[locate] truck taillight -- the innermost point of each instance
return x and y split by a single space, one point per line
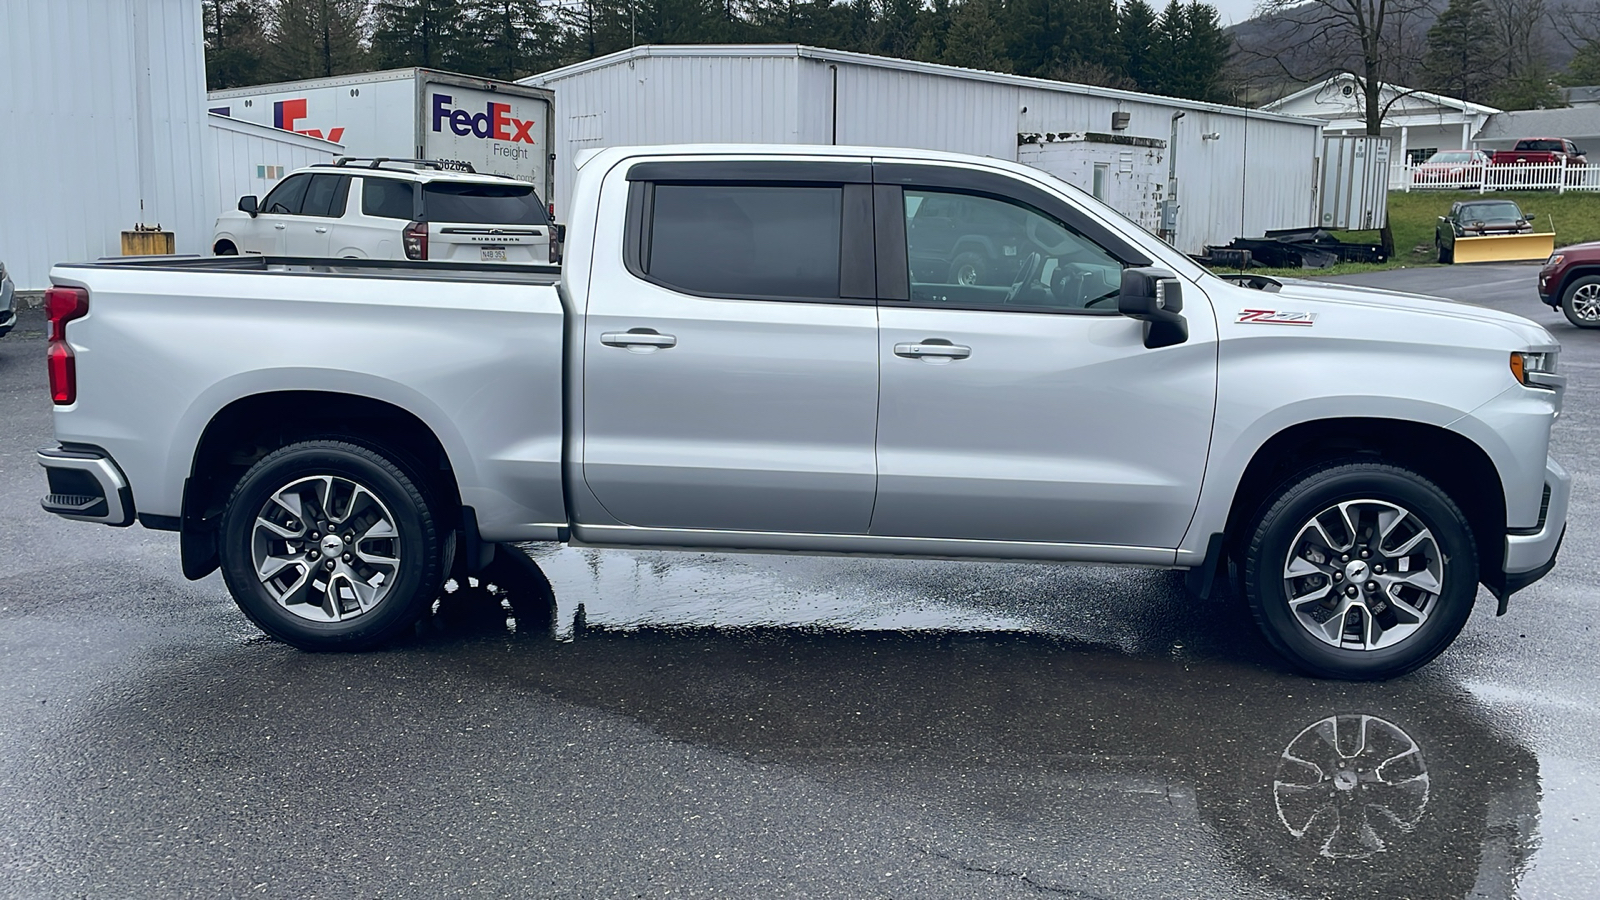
415 238
62 305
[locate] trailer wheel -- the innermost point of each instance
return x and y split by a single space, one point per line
328 545
1581 302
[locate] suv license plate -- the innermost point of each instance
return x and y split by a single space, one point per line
493 254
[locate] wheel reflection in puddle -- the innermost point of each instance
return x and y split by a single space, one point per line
1350 784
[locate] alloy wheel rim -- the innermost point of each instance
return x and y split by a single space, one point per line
1363 575
325 548
1586 302
1347 782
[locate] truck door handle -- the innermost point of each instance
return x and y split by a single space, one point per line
638 337
322 229
932 347
280 226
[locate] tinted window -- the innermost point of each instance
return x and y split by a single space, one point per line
1539 145
286 197
1490 212
387 198
970 250
483 204
325 196
746 240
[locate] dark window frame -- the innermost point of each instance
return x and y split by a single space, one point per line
857 250
266 202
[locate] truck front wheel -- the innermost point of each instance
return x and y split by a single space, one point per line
1360 571
328 545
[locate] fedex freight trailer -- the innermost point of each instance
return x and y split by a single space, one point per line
496 126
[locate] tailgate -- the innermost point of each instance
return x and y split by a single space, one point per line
451 242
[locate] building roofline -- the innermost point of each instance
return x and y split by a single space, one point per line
802 51
1442 100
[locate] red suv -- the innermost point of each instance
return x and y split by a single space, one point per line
1570 281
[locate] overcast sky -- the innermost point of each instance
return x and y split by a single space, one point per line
1232 11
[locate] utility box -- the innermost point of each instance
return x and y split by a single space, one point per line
148 240
1355 183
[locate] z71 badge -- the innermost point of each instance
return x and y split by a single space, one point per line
1275 317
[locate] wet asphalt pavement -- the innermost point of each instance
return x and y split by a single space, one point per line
746 726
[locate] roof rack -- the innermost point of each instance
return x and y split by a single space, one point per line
374 162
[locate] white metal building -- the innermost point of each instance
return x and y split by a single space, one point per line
1239 171
103 105
252 159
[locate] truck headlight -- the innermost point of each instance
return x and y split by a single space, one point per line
1535 368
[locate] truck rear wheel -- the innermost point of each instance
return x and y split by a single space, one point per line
1581 301
328 545
1360 571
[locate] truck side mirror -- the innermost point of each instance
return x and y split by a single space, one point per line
248 204
1154 297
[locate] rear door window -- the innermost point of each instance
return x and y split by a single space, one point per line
286 198
326 196
387 198
482 204
746 240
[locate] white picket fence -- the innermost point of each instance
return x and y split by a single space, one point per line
1559 178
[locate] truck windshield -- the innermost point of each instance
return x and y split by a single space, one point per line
482 204
1491 212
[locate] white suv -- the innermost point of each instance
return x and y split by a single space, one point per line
392 209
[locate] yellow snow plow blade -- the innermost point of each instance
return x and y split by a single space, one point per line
1504 247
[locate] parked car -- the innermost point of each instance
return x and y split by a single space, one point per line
1452 168
1540 152
392 209
1478 218
738 355
8 301
1570 282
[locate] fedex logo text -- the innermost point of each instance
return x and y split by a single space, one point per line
285 113
494 123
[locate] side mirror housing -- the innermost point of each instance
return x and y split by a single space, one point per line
1154 297
249 204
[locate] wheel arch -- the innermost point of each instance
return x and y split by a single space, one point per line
1460 468
1572 275
252 426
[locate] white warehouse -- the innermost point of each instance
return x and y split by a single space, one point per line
1238 171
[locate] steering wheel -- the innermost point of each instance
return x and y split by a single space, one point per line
1027 274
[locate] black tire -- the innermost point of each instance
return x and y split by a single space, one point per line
1589 284
969 267
1445 256
1276 527
419 545
511 579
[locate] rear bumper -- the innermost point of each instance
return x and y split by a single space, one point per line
1532 553
86 485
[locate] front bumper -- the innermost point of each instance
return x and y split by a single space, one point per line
86 485
1530 554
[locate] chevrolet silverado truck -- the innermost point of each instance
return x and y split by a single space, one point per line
739 355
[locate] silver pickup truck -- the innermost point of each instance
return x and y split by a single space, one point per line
820 350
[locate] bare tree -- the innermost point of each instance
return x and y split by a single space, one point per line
1377 42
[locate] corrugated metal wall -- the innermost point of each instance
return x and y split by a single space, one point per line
103 105
666 100
252 159
776 94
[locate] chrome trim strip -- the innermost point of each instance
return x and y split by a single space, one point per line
104 471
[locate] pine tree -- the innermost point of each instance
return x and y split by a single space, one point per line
1458 61
510 39
1585 66
1205 56
430 33
236 45
1136 27
975 40
934 31
316 38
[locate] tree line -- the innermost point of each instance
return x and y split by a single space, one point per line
1179 50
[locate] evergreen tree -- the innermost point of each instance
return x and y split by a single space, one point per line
934 31
1533 88
236 45
1585 66
1136 27
315 39
510 39
431 33
975 40
897 28
1458 61
1205 56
